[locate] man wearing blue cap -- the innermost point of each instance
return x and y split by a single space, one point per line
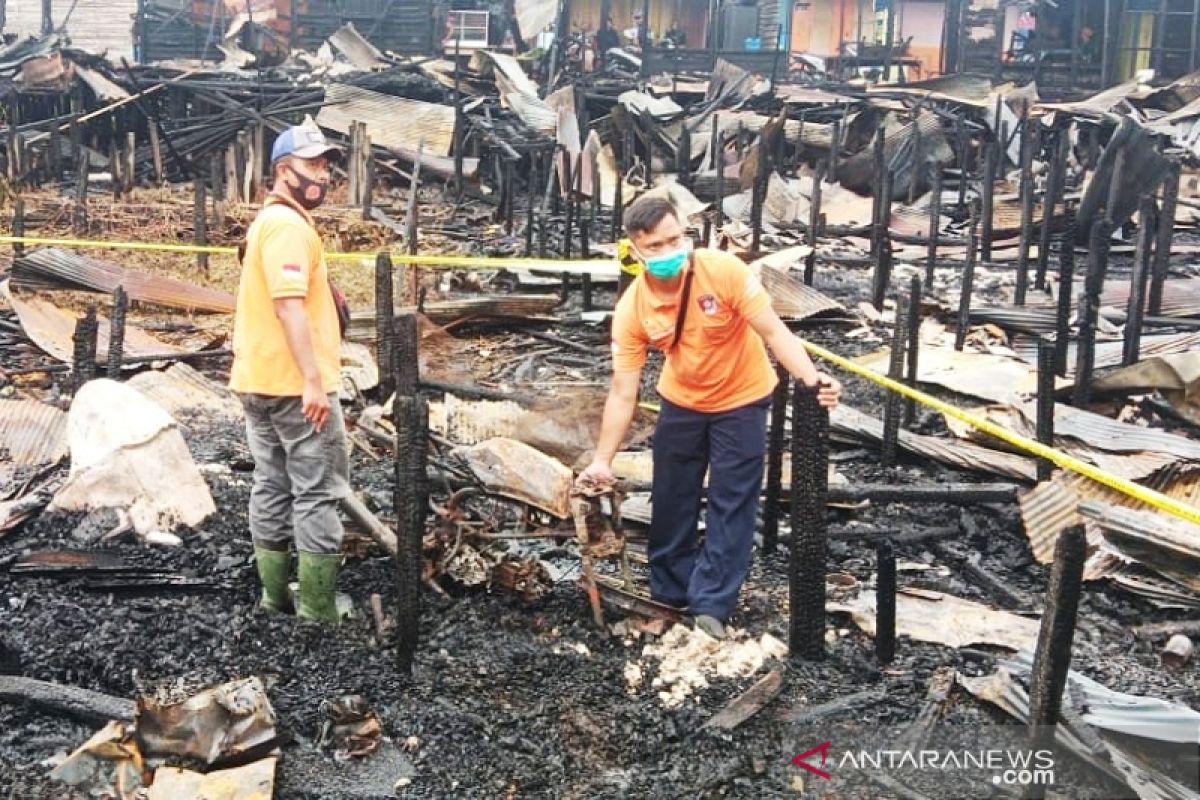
286 369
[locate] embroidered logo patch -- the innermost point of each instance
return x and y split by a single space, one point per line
708 304
294 269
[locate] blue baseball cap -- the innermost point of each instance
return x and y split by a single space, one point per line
302 141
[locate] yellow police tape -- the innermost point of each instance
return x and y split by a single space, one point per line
1148 496
462 262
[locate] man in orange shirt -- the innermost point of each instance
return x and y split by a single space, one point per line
286 369
708 312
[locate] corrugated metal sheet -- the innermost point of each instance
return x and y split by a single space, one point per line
517 91
181 389
791 299
32 435
392 122
1181 296
1109 354
1128 451
1168 545
1053 506
94 25
973 90
857 426
362 54
53 329
70 270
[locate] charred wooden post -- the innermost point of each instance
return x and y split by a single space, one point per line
576 200
385 305
1052 658
935 220
54 149
1136 309
879 155
80 221
459 142
216 171
412 231
18 226
835 146
1098 245
913 340
116 332
810 265
1066 287
200 225
411 417
758 198
885 601
960 133
587 288
506 204
1047 358
619 208
114 171
968 285
1166 232
1027 198
771 506
1055 188
368 191
806 567
881 244
594 207
83 360
814 208
683 156
991 159
565 291
568 182
719 205
892 406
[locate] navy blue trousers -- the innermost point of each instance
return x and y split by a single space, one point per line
730 445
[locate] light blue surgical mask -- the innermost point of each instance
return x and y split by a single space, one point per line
668 265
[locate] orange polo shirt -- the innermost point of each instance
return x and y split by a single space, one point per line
284 258
720 362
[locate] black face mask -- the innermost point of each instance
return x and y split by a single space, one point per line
308 193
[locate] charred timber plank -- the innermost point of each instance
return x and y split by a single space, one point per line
84 705
748 703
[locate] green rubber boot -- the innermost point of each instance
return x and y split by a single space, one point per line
273 573
317 595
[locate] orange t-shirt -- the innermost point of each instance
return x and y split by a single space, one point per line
720 362
284 258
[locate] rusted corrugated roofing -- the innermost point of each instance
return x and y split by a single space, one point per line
1053 506
53 329
54 268
790 297
392 122
32 435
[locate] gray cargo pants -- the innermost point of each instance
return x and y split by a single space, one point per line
299 475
